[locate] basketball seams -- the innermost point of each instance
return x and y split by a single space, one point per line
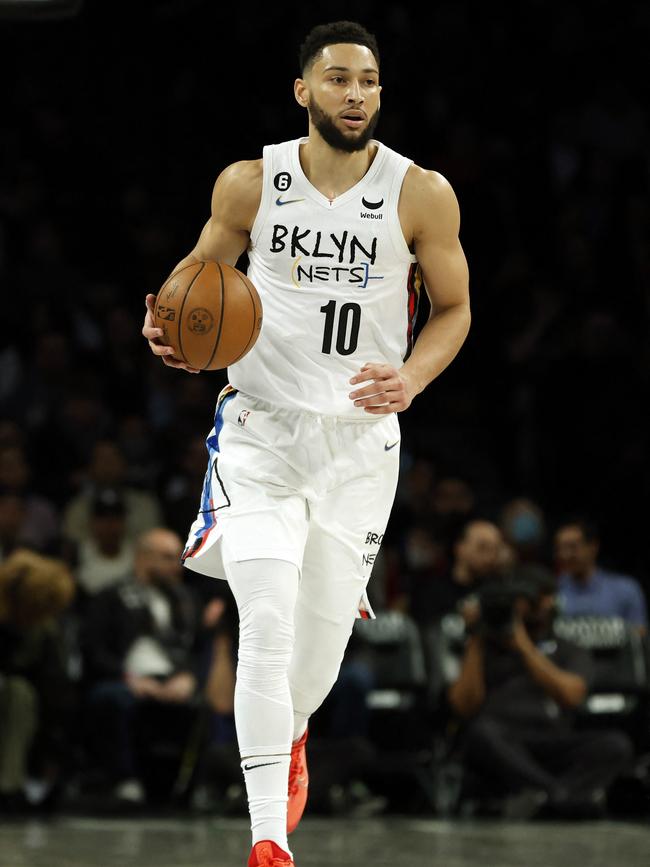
245 282
185 334
180 312
223 304
175 273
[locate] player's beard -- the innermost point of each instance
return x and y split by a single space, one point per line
333 136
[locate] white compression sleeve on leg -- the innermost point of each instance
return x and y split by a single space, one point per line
265 592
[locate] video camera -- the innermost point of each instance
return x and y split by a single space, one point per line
497 597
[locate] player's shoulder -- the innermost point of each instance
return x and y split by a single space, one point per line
428 203
427 186
238 190
241 176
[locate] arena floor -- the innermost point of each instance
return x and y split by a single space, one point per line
82 842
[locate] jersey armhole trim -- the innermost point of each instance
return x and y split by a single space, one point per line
400 246
262 211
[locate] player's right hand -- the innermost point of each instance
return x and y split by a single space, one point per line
153 334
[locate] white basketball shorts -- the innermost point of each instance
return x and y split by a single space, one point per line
314 490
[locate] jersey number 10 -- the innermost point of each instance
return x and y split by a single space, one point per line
346 342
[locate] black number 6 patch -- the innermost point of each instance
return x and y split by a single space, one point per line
282 181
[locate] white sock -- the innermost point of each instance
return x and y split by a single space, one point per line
265 776
265 592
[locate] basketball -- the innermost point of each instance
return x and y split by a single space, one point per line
210 313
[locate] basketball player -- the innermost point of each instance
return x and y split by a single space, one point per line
341 232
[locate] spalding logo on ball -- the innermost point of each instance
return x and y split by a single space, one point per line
210 313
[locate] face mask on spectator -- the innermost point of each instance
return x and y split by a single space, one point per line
525 528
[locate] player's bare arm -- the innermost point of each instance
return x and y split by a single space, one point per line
225 236
430 217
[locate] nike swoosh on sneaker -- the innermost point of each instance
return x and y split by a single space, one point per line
279 201
264 765
387 448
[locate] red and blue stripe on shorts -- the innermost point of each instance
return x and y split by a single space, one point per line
207 511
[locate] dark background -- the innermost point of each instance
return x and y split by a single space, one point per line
116 123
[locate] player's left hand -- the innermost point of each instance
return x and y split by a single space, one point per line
389 391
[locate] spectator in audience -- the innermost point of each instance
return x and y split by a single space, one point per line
40 525
478 552
108 469
35 697
140 661
106 554
524 529
518 691
220 679
585 588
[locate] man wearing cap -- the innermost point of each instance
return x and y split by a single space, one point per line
106 554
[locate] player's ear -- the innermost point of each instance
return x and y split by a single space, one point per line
301 92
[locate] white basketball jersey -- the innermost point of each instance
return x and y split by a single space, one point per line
338 284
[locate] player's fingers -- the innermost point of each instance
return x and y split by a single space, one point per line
393 404
159 349
373 371
150 302
367 391
364 376
174 362
374 400
378 387
151 332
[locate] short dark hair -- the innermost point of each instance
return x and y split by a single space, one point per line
332 34
586 526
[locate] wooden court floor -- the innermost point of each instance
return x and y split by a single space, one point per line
389 842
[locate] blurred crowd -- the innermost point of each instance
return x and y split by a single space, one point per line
514 571
507 670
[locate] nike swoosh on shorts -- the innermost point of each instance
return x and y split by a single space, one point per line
387 448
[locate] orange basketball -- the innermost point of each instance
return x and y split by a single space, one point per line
210 313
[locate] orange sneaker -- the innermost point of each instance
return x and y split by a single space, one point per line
298 783
268 854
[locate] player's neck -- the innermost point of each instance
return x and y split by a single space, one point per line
331 171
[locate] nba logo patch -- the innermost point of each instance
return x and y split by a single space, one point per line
243 415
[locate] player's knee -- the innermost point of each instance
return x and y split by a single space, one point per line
264 619
265 648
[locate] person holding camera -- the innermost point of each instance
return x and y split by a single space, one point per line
518 691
